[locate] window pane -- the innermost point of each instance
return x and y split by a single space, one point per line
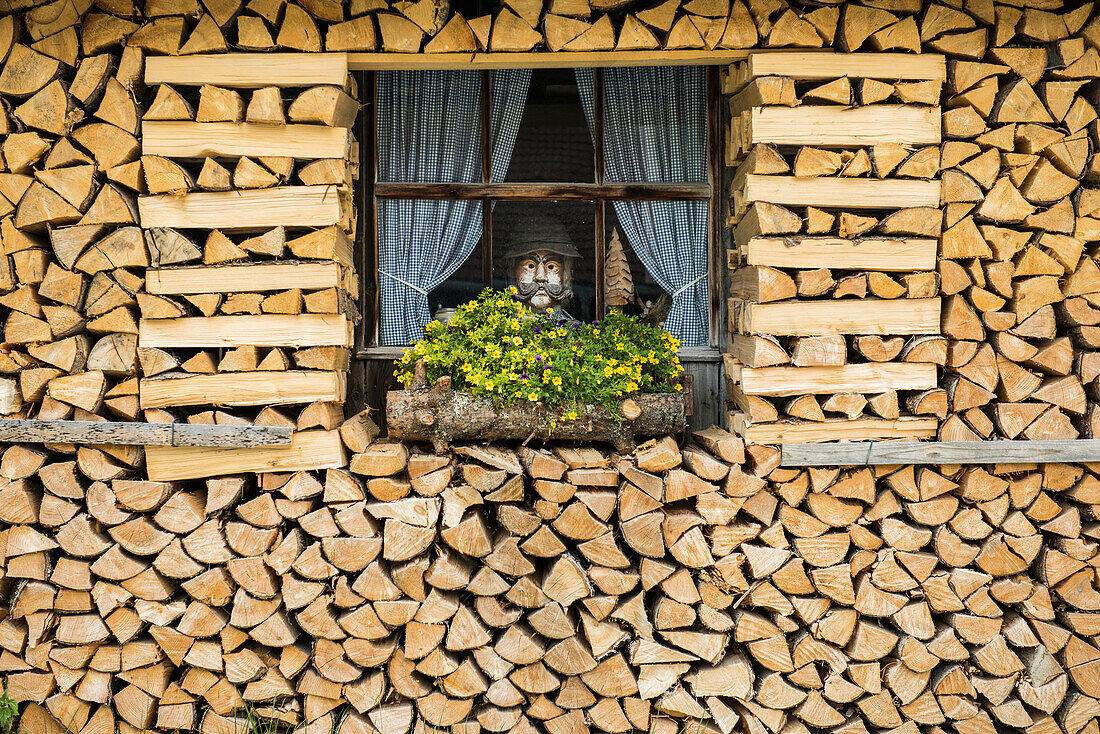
429 126
665 243
654 124
551 245
554 143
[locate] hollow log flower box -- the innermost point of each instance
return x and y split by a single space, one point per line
498 371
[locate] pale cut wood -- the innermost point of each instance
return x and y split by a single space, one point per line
872 253
943 452
258 276
841 430
869 377
815 318
269 330
828 125
244 388
289 206
308 450
543 60
250 71
826 66
231 139
140 434
840 192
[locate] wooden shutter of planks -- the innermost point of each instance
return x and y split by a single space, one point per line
260 170
835 308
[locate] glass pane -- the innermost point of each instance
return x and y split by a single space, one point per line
628 285
664 244
547 249
429 126
553 143
654 124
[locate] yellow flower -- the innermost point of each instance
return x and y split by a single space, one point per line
571 415
557 381
549 310
533 397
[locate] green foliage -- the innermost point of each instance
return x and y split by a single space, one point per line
497 347
9 712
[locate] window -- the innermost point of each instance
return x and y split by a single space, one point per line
465 170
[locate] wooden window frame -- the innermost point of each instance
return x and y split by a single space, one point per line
599 193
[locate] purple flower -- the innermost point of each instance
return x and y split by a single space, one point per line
538 357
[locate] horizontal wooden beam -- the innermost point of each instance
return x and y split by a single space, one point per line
811 65
941 452
850 193
141 434
258 277
834 430
249 209
902 316
268 330
249 70
868 253
542 60
233 139
244 388
638 191
827 125
308 450
865 377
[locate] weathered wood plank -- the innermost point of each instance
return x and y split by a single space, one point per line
288 206
858 193
942 452
244 388
816 318
827 125
307 450
869 253
254 277
269 330
865 377
141 434
249 70
207 139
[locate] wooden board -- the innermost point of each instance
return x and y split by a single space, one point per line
943 452
269 330
828 65
865 377
827 125
245 388
288 206
543 60
210 139
834 430
258 276
815 318
871 253
140 434
249 70
307 450
850 193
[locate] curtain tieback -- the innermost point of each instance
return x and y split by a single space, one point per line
683 288
403 282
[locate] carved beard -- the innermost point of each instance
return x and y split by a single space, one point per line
557 293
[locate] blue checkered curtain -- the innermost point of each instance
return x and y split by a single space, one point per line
655 130
429 125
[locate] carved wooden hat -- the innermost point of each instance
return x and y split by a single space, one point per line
540 233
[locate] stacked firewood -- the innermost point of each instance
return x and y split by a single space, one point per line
545 590
1019 272
834 310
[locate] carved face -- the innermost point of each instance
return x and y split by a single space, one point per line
542 279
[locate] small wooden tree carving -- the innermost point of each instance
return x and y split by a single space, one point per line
618 282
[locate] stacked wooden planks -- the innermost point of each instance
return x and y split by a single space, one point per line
834 299
247 177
